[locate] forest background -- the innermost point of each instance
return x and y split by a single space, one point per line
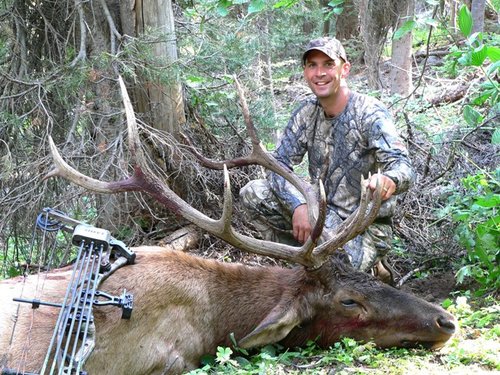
434 63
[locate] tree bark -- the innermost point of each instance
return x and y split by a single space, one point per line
162 101
347 26
401 71
453 15
374 25
477 9
104 127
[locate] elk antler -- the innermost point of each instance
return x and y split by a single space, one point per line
143 179
259 156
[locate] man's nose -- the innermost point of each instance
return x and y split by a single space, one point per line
320 72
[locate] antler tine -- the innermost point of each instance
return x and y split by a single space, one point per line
63 169
302 255
356 223
306 252
227 209
259 156
134 142
143 179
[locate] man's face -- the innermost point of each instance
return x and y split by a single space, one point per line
324 75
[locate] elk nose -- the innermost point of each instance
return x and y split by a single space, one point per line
446 324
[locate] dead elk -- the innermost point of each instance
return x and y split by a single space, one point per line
187 306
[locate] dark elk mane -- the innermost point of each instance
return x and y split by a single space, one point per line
339 268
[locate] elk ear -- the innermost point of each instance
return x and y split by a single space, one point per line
275 326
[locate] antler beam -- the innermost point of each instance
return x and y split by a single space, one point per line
144 180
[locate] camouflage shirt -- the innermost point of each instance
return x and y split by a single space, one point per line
340 150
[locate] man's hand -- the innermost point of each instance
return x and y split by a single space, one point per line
300 219
388 185
300 224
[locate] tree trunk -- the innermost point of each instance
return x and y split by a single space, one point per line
477 9
374 25
347 26
401 72
162 101
453 15
326 20
105 129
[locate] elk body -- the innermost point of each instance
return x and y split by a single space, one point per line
187 306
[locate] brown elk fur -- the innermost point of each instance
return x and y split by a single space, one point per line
185 306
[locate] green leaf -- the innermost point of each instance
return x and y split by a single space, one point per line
479 55
471 116
407 27
285 4
490 200
465 59
493 68
446 303
194 81
493 53
480 252
465 20
462 274
335 3
495 138
223 354
460 216
223 7
481 99
338 10
475 40
256 6
243 361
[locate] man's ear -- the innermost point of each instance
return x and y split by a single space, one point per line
346 68
275 326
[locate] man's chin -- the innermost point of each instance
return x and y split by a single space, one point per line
323 94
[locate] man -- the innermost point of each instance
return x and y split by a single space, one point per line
346 135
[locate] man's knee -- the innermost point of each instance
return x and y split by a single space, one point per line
253 193
377 242
369 247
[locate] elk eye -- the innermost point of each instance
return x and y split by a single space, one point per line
349 303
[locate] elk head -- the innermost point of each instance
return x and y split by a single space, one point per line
325 297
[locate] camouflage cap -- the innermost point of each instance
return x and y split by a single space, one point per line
329 46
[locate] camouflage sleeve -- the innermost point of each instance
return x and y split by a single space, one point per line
290 152
391 153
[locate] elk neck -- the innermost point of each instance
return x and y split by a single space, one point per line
217 291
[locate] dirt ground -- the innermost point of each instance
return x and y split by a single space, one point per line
435 287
